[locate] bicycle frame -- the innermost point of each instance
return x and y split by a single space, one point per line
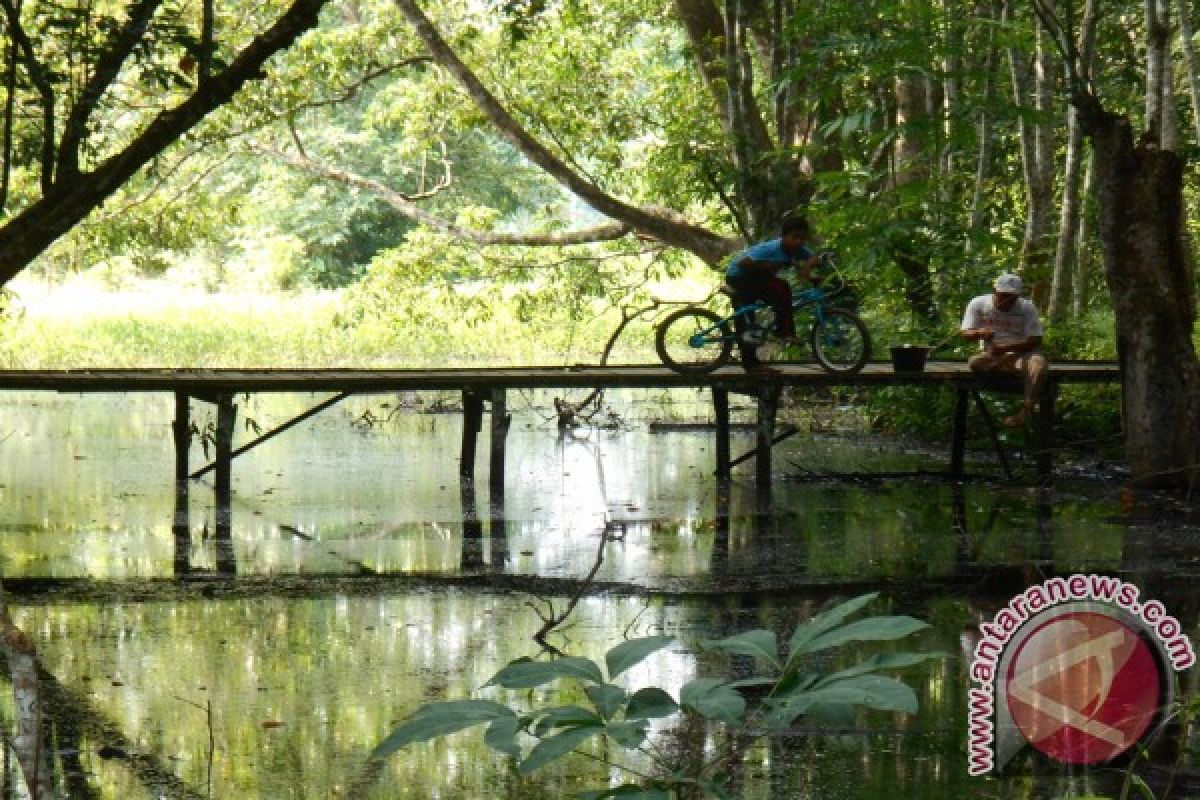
816 297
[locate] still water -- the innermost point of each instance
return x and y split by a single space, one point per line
360 580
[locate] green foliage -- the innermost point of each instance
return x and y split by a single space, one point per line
795 689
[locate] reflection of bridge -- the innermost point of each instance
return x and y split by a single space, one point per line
480 386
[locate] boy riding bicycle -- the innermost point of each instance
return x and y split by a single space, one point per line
753 276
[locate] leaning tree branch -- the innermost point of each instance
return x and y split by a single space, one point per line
667 226
405 205
29 233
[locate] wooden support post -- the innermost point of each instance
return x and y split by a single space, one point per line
226 420
500 423
768 405
1044 434
181 429
472 422
721 413
958 445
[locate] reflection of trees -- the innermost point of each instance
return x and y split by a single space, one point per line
28 742
47 711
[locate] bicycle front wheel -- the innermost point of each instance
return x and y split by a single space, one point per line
693 341
840 341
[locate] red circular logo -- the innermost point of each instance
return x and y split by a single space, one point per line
1083 687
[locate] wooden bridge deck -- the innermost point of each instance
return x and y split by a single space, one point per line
489 385
211 381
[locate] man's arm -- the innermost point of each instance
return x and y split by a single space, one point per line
972 329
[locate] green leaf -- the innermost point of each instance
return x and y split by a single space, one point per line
713 699
557 746
877 692
607 698
501 736
563 717
882 661
628 734
871 629
627 791
527 674
633 652
757 643
440 719
650 703
824 621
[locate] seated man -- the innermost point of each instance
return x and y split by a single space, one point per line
754 276
1010 335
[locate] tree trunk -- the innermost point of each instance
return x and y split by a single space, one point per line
983 161
1139 191
1083 251
1065 253
1189 60
911 163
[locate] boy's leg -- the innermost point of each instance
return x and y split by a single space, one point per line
749 352
778 293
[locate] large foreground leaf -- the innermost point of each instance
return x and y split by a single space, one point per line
633 652
713 699
527 674
557 746
871 629
440 719
757 644
825 621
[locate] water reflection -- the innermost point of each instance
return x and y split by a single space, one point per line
336 668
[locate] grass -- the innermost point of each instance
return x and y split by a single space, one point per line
83 324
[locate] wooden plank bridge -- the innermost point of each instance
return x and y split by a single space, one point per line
484 387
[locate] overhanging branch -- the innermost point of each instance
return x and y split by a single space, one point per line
668 227
405 205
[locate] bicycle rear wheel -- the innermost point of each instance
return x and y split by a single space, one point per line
840 341
693 341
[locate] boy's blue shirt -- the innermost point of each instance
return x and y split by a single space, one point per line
770 251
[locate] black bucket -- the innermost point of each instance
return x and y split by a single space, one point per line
909 357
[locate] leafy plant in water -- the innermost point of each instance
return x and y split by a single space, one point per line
789 689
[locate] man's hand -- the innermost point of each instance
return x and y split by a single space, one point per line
978 334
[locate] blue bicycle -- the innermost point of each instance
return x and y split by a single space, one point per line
696 340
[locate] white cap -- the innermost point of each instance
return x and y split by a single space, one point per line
1008 284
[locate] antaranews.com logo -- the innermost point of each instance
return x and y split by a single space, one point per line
1078 667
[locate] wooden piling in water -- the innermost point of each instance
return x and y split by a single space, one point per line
472 423
958 444
721 415
226 420
223 489
181 430
768 406
1044 433
500 423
